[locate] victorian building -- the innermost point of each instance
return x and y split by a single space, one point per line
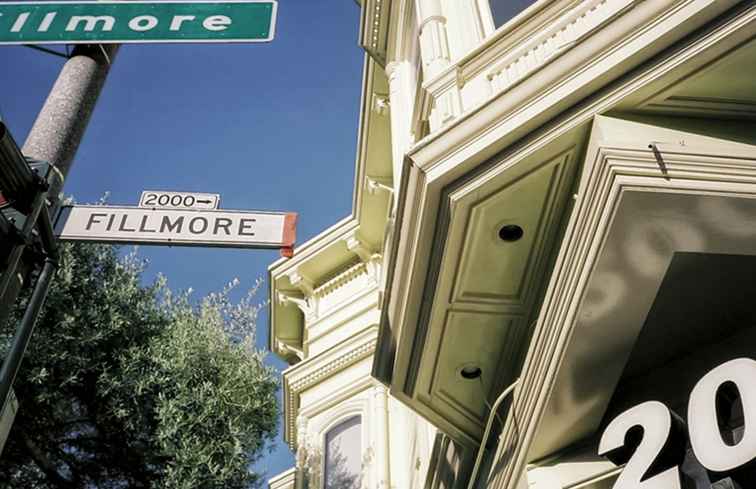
552 244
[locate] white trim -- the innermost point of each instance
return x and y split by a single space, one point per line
315 370
486 17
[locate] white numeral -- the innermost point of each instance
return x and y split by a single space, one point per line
656 421
705 436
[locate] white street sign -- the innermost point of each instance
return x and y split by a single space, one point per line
153 199
235 229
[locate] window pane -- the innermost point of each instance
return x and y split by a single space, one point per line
343 464
503 10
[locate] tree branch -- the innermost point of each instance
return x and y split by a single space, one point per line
45 464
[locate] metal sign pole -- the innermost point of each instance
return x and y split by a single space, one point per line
12 362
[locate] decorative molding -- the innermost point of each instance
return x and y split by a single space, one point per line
313 464
393 75
288 350
301 281
380 392
434 45
374 184
565 33
359 247
332 367
369 457
325 255
341 280
503 65
314 304
285 298
301 453
317 370
284 480
381 104
710 106
403 31
374 28
445 98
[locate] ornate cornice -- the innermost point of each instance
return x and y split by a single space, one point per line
374 27
327 370
311 372
340 280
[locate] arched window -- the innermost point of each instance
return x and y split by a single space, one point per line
343 455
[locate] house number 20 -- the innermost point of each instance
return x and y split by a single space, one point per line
659 447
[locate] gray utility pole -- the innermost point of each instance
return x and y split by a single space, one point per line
54 138
60 125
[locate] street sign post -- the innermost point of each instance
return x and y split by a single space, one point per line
219 228
126 21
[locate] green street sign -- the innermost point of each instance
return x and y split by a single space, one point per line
103 22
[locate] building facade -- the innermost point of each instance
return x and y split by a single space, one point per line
546 280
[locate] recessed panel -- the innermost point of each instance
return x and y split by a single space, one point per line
468 365
504 237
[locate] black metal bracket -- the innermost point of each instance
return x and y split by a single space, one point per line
659 160
48 51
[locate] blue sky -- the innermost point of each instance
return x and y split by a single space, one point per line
267 126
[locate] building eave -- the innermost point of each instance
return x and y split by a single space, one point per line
329 252
281 273
374 28
561 96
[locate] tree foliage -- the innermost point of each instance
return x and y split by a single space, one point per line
130 386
